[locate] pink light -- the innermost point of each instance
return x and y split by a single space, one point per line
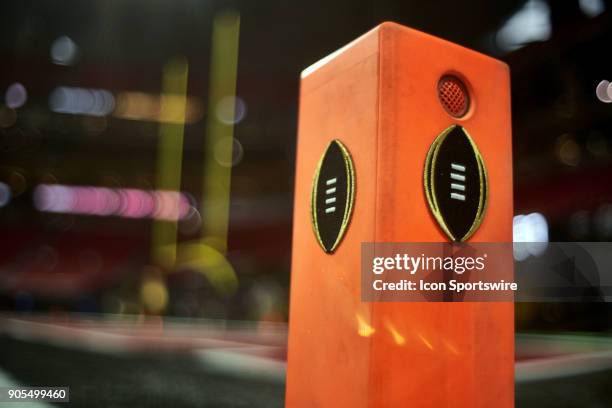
136 203
102 201
109 200
84 200
171 205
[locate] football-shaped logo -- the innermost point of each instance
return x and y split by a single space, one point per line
456 183
333 193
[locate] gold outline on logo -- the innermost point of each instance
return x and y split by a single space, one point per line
430 188
350 195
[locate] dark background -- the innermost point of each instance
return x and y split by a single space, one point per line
561 131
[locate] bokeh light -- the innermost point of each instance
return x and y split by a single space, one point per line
530 23
18 182
602 91
592 8
231 110
530 235
5 194
102 201
147 107
568 150
16 96
64 51
154 295
81 101
236 155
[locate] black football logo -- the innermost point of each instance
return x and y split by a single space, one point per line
456 183
333 193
